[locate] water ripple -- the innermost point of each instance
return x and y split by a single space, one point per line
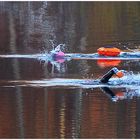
130 80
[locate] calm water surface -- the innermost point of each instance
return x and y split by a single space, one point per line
67 111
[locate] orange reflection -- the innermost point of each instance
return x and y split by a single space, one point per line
120 95
108 63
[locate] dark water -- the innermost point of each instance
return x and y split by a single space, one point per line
67 111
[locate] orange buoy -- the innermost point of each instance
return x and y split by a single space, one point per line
108 63
109 51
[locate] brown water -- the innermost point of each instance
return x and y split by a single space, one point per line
66 111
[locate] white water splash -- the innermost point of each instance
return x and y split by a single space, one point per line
129 79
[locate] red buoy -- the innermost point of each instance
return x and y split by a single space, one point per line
109 51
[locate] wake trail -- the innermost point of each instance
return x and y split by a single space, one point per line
129 81
69 56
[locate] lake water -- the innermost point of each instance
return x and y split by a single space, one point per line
33 107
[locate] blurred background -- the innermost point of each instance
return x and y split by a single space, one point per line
66 112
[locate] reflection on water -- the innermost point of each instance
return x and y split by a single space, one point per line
67 110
